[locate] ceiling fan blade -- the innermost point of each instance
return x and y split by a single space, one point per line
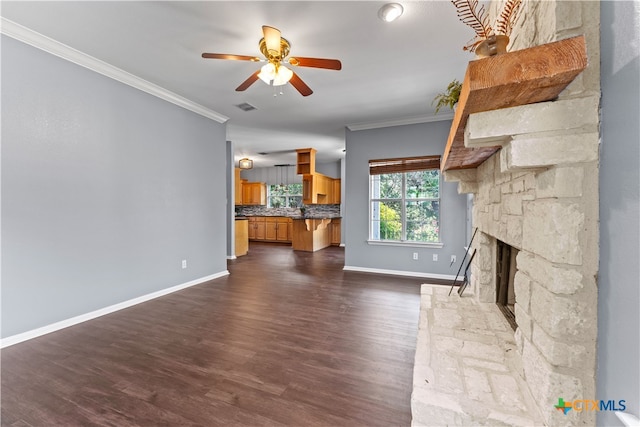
300 85
232 57
271 38
251 80
328 64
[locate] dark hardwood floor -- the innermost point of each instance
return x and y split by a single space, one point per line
288 338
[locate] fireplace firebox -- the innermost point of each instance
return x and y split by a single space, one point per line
505 275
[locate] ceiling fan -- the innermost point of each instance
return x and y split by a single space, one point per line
275 49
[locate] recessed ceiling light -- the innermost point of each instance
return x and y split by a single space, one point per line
390 12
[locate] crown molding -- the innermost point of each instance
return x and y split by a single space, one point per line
37 40
400 122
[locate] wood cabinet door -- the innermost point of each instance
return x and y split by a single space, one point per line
282 230
246 194
270 230
307 190
254 193
260 230
252 228
335 232
336 191
237 188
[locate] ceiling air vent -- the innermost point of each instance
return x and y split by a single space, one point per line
245 106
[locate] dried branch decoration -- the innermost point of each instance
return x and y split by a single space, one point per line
508 17
475 16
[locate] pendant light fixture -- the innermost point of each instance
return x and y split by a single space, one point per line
245 163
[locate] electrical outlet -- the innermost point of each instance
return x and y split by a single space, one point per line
184 263
435 257
415 255
453 259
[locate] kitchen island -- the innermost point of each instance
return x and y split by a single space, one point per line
309 231
311 234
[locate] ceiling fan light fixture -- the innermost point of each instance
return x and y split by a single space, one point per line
390 12
269 75
245 163
283 76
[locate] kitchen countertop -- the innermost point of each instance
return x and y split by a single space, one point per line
332 216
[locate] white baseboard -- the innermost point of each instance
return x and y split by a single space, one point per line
34 333
399 273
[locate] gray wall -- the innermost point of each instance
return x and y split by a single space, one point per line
619 298
105 189
331 169
399 141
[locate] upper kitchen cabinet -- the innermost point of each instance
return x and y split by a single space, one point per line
254 193
237 194
306 161
316 187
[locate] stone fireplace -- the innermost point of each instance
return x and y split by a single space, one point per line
539 195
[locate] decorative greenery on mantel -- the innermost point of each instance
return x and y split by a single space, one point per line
450 97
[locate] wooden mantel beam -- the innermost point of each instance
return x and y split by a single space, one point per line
522 77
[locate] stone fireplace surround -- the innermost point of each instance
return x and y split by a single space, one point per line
539 194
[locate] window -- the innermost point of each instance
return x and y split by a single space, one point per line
405 200
285 196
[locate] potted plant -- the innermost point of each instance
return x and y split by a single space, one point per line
449 97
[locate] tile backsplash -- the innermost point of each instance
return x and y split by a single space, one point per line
311 210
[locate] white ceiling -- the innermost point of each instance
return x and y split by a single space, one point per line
390 71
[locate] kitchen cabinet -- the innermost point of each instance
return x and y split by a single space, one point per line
242 236
254 193
270 229
316 187
336 232
256 228
320 189
335 193
282 229
237 186
308 197
306 161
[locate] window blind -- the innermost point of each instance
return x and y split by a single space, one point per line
403 164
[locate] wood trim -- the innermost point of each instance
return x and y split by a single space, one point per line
511 79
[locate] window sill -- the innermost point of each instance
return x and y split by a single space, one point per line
405 244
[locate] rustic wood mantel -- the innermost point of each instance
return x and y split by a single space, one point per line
522 77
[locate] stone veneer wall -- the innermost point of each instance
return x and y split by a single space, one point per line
539 193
